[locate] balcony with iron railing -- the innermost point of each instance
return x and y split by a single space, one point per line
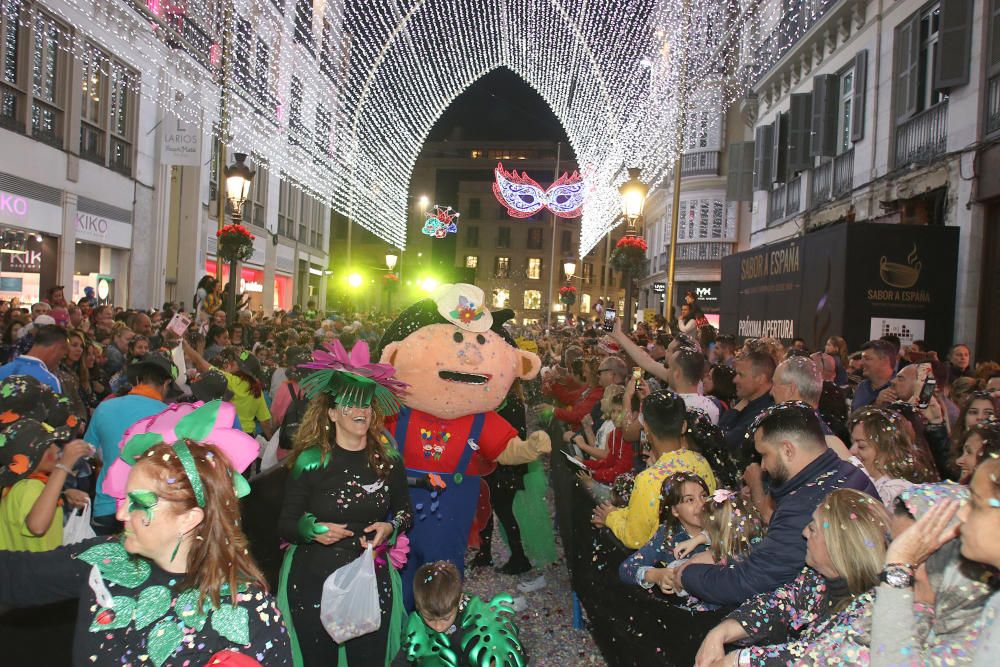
784 200
923 137
993 104
702 163
843 173
822 183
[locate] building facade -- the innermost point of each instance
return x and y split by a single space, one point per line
91 190
882 112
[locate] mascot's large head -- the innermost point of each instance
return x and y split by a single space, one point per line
454 354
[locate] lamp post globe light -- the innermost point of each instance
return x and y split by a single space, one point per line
633 195
569 268
238 179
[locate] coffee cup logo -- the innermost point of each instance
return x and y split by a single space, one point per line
898 275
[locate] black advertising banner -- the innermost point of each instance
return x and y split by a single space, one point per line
29 261
708 294
761 291
857 280
902 281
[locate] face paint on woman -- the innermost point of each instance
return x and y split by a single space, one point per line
142 500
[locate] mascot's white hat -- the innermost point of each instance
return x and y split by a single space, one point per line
464 306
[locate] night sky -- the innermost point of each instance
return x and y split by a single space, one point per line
499 106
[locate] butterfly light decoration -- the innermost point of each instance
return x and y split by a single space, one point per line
441 221
523 196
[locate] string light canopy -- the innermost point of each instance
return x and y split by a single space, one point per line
339 96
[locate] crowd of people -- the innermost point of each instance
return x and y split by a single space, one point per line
840 505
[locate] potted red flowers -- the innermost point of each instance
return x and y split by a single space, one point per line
567 295
629 256
235 243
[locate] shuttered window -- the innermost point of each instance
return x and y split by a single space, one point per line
860 91
739 179
762 153
955 41
824 115
799 131
779 159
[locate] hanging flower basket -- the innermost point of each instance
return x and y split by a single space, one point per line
235 243
629 256
567 295
390 281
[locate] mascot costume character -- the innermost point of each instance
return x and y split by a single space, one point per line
459 365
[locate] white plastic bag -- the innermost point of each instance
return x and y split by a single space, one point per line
78 528
350 607
269 452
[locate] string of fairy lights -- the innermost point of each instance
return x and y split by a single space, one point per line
339 96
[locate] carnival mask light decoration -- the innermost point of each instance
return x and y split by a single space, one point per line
524 197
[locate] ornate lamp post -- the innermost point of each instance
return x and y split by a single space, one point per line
390 263
633 194
238 179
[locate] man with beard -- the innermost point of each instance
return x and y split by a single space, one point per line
802 471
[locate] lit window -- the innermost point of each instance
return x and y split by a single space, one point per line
584 303
476 155
501 297
532 299
534 269
501 268
471 261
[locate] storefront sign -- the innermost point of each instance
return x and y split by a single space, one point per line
103 231
857 280
29 213
707 294
251 286
181 143
659 288
29 261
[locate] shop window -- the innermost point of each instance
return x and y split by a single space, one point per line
47 65
501 267
534 268
584 303
12 89
532 299
472 261
501 297
535 238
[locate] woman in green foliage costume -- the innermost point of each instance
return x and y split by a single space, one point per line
347 488
179 585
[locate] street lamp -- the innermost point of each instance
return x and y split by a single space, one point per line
390 263
238 179
424 201
569 268
633 193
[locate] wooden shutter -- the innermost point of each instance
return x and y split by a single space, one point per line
739 176
799 131
993 63
859 95
954 44
823 140
779 160
907 70
762 153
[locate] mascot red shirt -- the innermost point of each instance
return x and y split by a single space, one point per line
459 369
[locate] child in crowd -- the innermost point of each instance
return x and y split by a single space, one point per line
731 527
608 453
31 518
448 621
684 495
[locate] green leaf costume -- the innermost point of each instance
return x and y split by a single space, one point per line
488 636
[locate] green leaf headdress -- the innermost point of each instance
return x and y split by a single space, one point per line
352 380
